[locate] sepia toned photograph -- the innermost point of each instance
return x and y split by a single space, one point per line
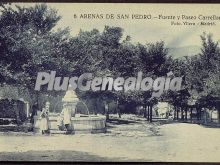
113 82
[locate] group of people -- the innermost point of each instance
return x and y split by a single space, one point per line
63 121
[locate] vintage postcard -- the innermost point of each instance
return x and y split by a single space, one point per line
113 82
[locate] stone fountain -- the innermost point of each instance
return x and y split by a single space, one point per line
80 123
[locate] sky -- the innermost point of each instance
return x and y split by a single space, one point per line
143 31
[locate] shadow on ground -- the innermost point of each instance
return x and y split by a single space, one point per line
61 155
120 121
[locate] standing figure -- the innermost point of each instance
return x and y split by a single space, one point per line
67 114
45 119
60 121
34 112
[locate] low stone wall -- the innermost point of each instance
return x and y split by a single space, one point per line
88 124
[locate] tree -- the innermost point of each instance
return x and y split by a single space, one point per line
201 74
29 45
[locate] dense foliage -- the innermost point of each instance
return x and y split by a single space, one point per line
29 44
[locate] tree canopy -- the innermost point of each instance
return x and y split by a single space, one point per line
29 45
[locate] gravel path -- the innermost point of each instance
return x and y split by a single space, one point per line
124 142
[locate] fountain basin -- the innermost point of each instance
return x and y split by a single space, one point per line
82 124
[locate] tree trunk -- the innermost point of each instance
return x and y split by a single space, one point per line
148 113
118 109
197 113
119 113
218 112
218 116
200 113
15 106
151 108
191 114
95 110
107 116
186 109
177 113
145 111
106 111
182 117
38 105
205 115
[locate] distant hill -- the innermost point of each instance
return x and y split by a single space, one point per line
184 51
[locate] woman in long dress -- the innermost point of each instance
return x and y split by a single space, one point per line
45 119
66 115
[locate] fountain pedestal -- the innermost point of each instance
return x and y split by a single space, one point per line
70 100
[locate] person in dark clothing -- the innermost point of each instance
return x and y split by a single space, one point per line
34 112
